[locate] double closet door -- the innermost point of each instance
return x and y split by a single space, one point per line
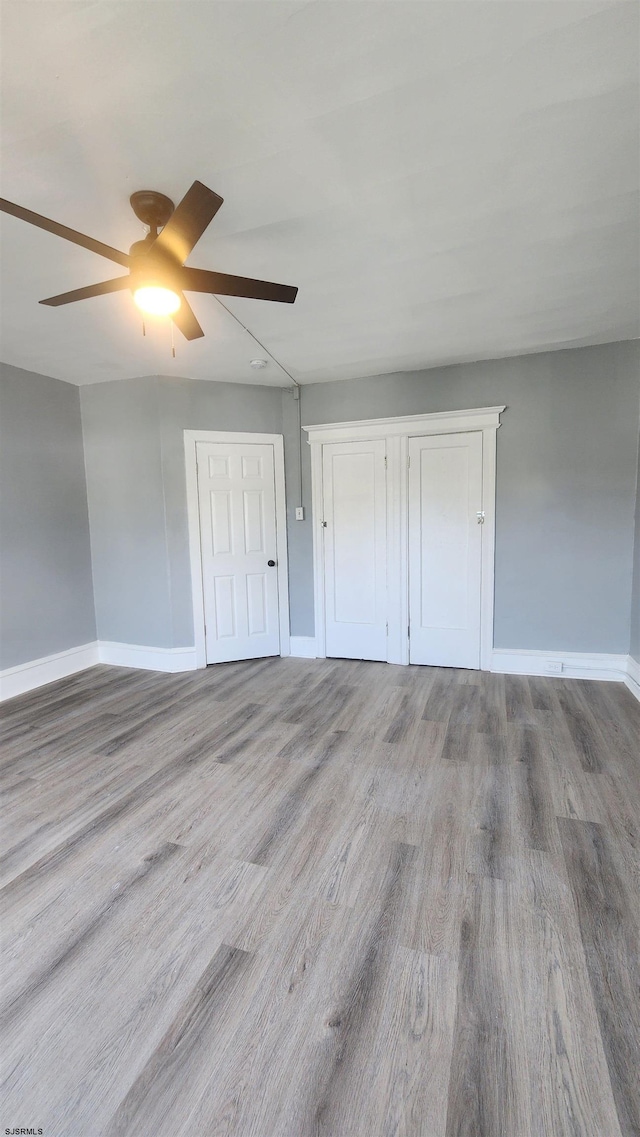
438 545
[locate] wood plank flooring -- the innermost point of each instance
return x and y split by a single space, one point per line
291 898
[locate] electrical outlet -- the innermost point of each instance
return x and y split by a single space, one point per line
554 666
300 513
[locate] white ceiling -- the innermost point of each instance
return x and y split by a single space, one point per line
443 180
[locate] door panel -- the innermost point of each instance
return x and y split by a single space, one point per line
445 495
220 522
224 607
354 493
254 521
257 603
236 495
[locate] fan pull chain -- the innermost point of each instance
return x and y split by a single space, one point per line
173 346
144 329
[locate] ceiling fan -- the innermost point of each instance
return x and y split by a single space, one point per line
158 276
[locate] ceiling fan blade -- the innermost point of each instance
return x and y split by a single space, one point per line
185 320
101 289
188 221
220 283
64 231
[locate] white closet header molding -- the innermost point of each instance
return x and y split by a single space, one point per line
444 422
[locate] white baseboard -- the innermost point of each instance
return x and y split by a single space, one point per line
27 676
37 672
632 678
147 658
303 647
573 664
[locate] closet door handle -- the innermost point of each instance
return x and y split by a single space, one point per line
271 564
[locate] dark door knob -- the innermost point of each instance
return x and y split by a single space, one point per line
271 563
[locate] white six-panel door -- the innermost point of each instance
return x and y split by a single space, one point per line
355 549
236 496
445 549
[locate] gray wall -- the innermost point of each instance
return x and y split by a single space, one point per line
299 533
134 453
566 483
634 647
566 493
121 425
46 598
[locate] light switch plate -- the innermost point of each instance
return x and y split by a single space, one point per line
300 513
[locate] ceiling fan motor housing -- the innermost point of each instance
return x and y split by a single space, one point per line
152 208
152 267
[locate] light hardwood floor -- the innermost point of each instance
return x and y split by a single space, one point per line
289 898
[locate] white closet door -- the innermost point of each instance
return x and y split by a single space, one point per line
445 495
355 549
236 493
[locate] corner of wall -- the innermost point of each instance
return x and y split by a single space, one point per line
634 616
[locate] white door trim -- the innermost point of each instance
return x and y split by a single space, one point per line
191 438
397 432
317 510
487 584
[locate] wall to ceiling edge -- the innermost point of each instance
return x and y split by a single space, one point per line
568 514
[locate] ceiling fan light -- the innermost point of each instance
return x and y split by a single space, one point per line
156 301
